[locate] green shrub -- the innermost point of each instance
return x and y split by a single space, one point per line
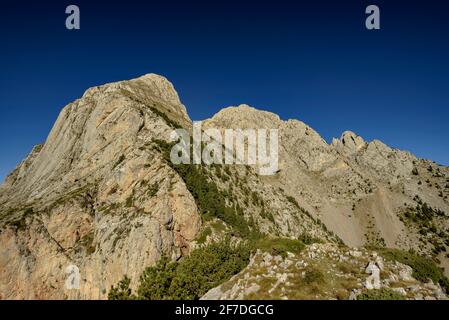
189 279
170 122
267 215
423 268
204 234
279 246
19 223
129 201
209 199
293 201
155 281
313 276
423 213
308 239
122 291
207 268
381 294
152 190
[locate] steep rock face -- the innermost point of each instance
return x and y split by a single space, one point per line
96 195
107 120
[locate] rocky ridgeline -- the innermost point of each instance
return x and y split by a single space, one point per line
359 189
323 271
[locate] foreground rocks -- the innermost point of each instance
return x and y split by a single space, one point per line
321 271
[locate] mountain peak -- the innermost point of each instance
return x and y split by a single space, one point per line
244 116
161 87
349 142
349 136
149 87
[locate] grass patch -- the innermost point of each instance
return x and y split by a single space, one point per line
19 223
267 215
381 294
279 246
173 124
218 226
204 234
87 241
313 276
152 190
129 201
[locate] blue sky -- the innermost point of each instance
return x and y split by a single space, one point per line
310 60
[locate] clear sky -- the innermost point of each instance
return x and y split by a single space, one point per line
310 60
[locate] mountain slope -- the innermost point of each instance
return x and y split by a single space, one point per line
360 190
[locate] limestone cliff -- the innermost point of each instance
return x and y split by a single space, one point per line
96 195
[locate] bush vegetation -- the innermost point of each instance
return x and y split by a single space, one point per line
423 213
163 115
19 222
381 294
278 246
204 269
208 197
308 239
423 268
313 276
204 234
190 278
121 291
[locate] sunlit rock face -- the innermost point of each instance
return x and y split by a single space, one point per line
96 195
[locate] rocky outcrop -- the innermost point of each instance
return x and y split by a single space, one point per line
349 143
321 271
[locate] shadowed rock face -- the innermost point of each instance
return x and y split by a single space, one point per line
99 194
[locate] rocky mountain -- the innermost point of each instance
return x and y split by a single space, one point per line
101 194
365 192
